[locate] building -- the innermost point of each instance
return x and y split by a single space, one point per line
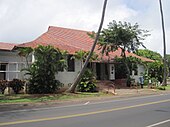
10 62
73 40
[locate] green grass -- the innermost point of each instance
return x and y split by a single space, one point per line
167 87
164 87
28 98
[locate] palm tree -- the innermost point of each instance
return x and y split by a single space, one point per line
25 52
77 80
164 44
80 55
42 72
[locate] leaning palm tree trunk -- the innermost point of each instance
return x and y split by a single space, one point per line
164 44
77 80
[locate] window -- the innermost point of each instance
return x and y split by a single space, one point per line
71 63
2 67
2 74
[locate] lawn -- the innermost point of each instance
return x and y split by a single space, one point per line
24 98
167 87
164 87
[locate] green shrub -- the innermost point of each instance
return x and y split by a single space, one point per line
3 85
48 61
161 88
130 81
17 85
87 83
40 87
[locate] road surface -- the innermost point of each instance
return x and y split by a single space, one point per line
147 111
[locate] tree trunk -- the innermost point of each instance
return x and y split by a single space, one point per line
164 45
77 80
126 65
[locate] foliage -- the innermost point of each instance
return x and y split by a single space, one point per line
87 83
25 52
122 36
17 85
146 78
82 55
161 88
168 62
3 85
120 71
120 68
130 81
93 57
154 69
149 54
79 76
48 61
164 87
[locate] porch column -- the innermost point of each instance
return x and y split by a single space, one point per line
33 58
17 71
7 73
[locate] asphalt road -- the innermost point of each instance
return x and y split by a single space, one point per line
148 111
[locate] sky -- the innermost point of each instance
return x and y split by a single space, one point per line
25 20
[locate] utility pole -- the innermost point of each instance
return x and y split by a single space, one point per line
164 45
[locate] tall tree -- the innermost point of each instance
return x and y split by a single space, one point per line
149 54
122 36
77 80
48 61
164 44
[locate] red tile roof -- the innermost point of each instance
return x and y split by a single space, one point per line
6 46
64 39
71 40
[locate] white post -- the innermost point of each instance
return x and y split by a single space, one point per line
16 76
8 71
33 58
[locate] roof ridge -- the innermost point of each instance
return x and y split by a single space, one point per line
67 29
8 43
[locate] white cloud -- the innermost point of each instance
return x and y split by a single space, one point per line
24 20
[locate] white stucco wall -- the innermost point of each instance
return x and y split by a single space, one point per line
68 77
141 70
14 63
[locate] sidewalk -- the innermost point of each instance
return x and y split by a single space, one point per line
120 93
